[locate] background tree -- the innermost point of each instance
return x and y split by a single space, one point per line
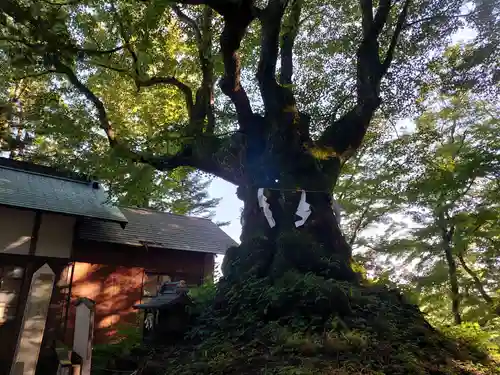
444 181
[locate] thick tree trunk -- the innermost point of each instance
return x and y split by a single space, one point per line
317 246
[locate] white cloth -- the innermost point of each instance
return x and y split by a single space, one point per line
303 210
265 207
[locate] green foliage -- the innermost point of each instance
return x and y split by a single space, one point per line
382 333
49 122
411 196
472 335
104 355
203 297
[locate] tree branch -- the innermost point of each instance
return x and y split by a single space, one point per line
290 30
203 108
205 95
395 36
223 7
126 39
185 89
381 16
113 68
367 16
190 22
99 106
439 16
186 157
34 75
478 284
235 26
270 19
55 3
63 47
345 135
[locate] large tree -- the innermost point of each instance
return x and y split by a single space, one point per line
285 118
273 148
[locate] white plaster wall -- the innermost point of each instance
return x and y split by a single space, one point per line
16 227
55 237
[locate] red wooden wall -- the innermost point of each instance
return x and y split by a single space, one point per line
113 276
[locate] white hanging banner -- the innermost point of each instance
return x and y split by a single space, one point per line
303 210
265 207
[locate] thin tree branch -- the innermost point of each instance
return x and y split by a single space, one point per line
126 39
185 89
99 106
185 157
203 108
34 75
190 22
438 16
207 69
358 227
55 3
64 47
113 68
395 36
477 283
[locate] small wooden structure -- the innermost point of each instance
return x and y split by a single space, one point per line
61 240
166 316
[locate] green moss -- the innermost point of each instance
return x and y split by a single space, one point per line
306 324
289 321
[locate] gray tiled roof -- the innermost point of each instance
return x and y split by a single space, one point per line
160 229
161 300
26 185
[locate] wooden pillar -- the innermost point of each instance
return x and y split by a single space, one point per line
33 322
84 332
29 270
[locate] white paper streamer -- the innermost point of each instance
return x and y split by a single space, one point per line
265 207
148 322
303 210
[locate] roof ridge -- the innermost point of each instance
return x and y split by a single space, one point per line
43 170
163 212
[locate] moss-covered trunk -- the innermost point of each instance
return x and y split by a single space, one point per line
318 244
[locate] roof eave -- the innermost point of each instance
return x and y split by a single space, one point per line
123 222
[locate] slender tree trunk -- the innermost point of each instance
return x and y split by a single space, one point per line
452 274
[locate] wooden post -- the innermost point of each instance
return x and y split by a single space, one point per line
33 322
84 332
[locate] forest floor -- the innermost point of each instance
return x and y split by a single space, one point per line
380 334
